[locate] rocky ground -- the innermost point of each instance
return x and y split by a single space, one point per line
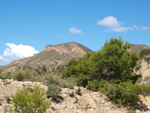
144 69
88 102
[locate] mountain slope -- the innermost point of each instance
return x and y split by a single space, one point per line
52 57
138 47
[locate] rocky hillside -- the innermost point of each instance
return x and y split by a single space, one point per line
88 102
143 68
52 56
138 47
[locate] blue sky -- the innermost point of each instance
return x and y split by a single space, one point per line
26 26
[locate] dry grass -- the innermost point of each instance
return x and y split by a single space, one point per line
55 79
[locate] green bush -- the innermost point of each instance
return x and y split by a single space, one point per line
24 75
53 91
28 75
112 61
55 79
147 59
138 67
124 93
5 76
27 101
144 52
93 85
19 76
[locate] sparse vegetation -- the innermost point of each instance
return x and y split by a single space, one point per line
5 76
50 78
53 91
26 101
147 59
131 111
78 91
24 75
138 67
19 76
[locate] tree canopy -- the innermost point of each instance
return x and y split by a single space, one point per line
111 62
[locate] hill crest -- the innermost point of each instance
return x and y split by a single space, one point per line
53 56
138 47
66 48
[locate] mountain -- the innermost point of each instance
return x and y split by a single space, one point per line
55 56
138 47
52 57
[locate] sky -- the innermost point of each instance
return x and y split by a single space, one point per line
26 26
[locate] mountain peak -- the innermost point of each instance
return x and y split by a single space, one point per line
66 48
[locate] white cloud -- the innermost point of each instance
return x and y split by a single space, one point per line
136 27
109 21
114 25
18 51
3 60
121 29
140 28
144 28
74 30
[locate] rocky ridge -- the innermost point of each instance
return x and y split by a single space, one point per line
63 49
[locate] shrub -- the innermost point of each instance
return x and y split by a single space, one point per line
19 76
124 93
55 79
138 67
24 75
78 91
144 52
93 85
67 83
28 75
53 91
44 69
5 76
131 111
27 101
147 59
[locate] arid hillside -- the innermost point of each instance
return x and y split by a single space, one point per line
143 68
88 102
138 47
52 57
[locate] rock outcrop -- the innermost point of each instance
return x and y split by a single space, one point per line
65 48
